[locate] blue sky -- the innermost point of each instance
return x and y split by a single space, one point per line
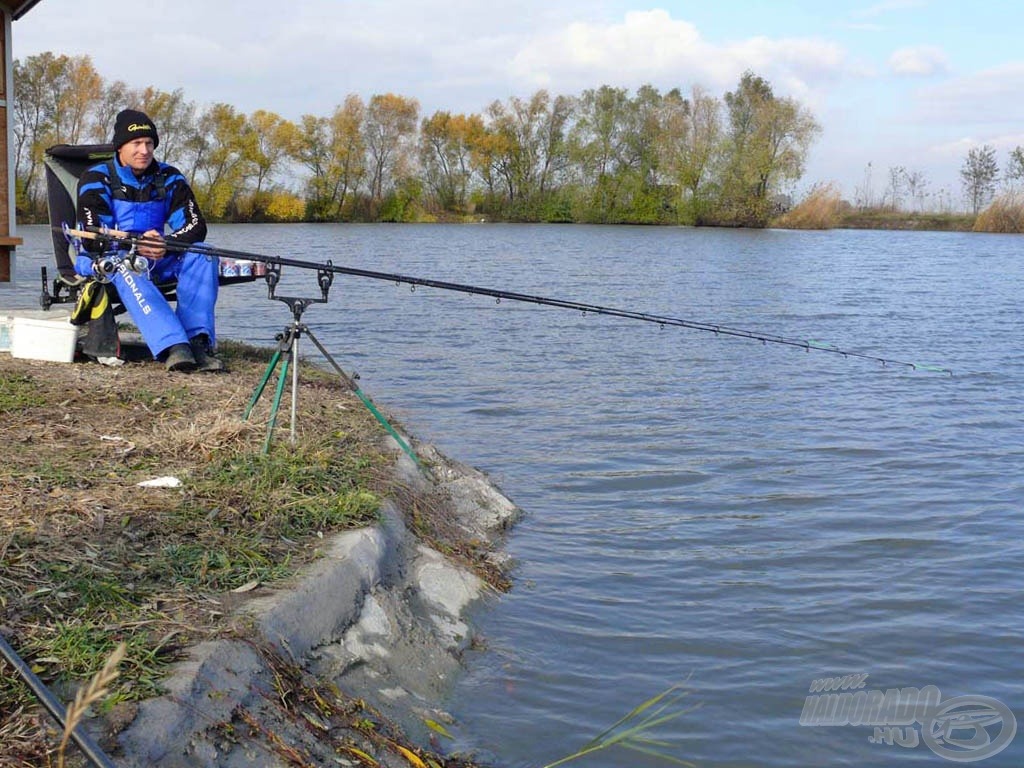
913 83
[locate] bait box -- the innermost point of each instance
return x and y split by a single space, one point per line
36 339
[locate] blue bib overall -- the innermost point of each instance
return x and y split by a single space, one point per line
196 273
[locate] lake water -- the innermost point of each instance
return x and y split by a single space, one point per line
744 518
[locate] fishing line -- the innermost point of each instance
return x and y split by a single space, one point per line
126 239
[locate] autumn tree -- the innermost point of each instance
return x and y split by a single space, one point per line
53 99
916 183
554 158
32 123
313 151
446 148
599 145
979 175
689 144
1014 173
605 155
767 140
389 130
113 98
272 141
74 92
267 145
487 158
219 166
529 148
172 113
334 151
896 187
646 201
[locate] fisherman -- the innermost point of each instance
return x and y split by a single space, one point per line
136 193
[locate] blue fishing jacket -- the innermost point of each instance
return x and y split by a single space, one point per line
111 195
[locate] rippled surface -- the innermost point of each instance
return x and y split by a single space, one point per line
746 517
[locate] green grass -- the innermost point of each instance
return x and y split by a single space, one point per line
246 510
241 521
901 220
296 492
18 393
635 730
77 648
88 561
154 401
57 472
85 587
222 565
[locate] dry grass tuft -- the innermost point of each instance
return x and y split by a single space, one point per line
204 436
821 209
1005 214
22 735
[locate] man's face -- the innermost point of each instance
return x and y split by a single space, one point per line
136 154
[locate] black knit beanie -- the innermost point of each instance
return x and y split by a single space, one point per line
132 124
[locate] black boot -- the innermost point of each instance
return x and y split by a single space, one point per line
205 358
179 358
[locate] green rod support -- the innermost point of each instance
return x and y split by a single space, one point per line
262 385
275 406
366 401
391 430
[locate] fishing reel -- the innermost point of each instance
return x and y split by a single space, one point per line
105 267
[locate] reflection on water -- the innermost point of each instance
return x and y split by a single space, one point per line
749 518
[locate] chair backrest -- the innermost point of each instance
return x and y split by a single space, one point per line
65 163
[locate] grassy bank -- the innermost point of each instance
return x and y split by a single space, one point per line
824 208
900 220
90 560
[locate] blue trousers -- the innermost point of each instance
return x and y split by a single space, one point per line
161 326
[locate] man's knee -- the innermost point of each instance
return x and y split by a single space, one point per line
199 263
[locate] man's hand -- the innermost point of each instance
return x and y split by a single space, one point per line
152 251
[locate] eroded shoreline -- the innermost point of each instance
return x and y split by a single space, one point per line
344 659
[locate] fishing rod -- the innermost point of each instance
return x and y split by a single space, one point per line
131 242
52 704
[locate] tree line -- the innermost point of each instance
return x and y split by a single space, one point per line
606 155
981 180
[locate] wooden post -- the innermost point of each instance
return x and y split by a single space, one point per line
8 242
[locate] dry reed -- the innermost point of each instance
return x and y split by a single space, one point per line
820 209
1004 214
94 692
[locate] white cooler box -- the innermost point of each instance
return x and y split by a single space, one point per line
36 339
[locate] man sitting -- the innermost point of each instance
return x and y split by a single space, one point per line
136 193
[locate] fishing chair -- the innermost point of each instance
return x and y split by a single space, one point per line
65 164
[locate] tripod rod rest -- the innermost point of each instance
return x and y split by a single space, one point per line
324 277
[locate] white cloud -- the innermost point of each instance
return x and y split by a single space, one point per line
886 7
958 149
988 97
918 61
651 46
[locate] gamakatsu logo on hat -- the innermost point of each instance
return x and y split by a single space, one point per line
139 127
963 729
